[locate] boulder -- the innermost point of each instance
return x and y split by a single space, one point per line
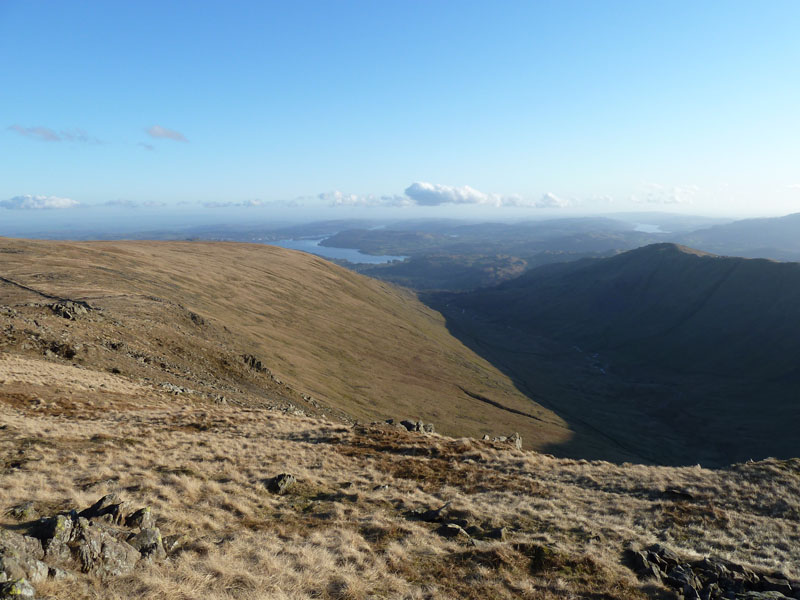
100 553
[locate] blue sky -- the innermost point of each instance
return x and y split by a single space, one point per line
406 108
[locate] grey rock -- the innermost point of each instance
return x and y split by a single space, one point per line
149 543
99 553
16 566
428 428
13 542
280 484
451 530
60 574
409 425
18 590
516 439
142 518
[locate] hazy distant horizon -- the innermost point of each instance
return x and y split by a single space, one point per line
315 110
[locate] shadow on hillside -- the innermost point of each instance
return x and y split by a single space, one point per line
645 417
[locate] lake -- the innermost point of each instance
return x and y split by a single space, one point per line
312 246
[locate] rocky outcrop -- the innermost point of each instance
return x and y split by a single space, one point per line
107 539
514 439
69 309
710 578
417 426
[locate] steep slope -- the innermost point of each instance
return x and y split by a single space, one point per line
688 356
667 304
238 322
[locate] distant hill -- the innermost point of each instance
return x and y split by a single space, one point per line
777 238
664 303
683 344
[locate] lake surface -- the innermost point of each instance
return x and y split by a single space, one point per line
647 228
312 246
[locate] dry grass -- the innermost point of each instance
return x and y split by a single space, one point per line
185 313
339 533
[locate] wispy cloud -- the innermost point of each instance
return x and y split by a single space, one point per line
29 202
243 204
337 198
655 193
148 147
794 186
44 134
158 132
134 204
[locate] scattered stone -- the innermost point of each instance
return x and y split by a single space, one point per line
23 512
280 484
451 530
498 533
173 542
254 363
516 439
708 579
432 515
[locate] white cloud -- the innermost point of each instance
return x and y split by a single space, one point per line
156 131
434 194
29 202
794 186
655 193
550 200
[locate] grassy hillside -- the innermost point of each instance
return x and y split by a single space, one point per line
356 523
185 314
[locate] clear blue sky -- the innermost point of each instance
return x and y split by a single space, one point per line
299 106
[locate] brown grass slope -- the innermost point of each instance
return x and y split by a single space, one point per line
185 313
346 530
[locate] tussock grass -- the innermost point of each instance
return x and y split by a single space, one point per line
339 533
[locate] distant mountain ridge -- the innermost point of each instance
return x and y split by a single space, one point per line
776 237
680 307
